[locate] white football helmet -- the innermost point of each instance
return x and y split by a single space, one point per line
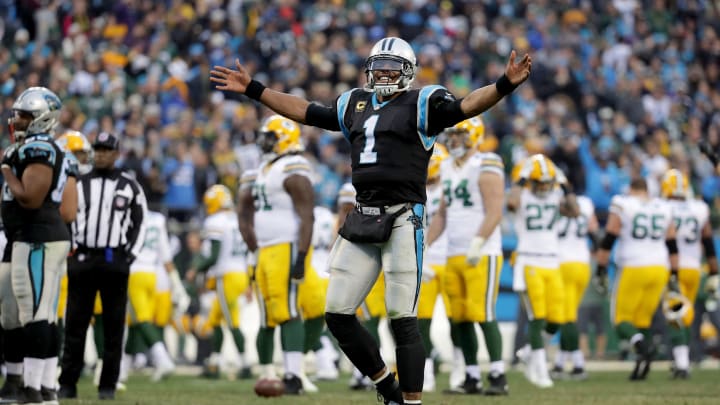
391 54
675 307
44 105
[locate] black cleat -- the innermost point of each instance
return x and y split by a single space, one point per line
471 386
106 393
245 373
678 374
578 374
49 396
29 395
293 384
497 385
12 387
645 353
557 373
67 392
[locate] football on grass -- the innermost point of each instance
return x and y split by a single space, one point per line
269 387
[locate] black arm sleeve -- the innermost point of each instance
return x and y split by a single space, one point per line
445 111
672 246
608 241
322 117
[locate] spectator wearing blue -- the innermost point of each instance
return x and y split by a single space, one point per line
603 178
180 199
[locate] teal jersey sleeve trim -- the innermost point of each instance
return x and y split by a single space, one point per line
37 152
423 107
419 212
342 105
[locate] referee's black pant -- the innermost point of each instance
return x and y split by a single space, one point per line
88 274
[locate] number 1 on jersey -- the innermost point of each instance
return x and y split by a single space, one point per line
367 155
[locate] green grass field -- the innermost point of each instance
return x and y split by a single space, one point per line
601 388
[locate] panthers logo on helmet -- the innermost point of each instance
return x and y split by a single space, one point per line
674 184
280 135
216 198
440 153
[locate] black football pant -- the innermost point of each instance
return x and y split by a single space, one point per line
84 281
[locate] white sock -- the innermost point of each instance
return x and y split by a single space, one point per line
497 367
357 374
458 357
578 359
49 377
33 372
14 368
268 370
537 356
681 354
560 357
293 362
473 370
124 367
429 371
413 401
160 355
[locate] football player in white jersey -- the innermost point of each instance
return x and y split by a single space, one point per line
474 190
646 236
574 255
224 260
694 234
142 333
434 260
276 217
539 196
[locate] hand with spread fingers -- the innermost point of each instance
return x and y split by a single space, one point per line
230 79
518 72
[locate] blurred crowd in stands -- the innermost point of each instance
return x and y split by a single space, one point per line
619 88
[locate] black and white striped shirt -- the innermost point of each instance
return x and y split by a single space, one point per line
111 212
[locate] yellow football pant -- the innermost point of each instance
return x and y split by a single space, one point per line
277 295
472 290
689 284
638 291
225 304
141 296
544 297
312 293
575 278
429 291
163 308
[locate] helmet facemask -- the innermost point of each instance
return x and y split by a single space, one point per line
393 64
542 188
267 141
457 142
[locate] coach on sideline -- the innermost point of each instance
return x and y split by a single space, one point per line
108 233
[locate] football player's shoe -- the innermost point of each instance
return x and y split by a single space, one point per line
497 384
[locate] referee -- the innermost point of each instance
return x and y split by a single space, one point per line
108 233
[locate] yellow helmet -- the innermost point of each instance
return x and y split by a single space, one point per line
440 153
216 198
475 129
676 308
279 135
515 174
541 174
77 144
674 184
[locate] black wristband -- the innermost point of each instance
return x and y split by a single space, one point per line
672 246
504 86
607 241
254 90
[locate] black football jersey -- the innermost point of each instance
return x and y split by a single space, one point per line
43 224
391 142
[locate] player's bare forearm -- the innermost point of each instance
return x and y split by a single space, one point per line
246 219
513 201
712 265
480 100
34 186
492 189
69 203
603 257
287 105
303 198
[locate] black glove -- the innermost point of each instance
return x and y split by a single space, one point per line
673 284
601 279
297 274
